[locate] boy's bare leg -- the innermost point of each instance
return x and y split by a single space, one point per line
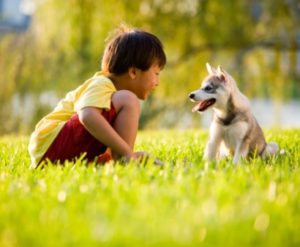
127 107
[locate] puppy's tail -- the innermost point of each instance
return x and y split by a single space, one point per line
271 149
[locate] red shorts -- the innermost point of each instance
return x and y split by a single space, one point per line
74 140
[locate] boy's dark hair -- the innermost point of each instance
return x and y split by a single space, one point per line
132 48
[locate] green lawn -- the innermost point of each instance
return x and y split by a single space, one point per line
256 203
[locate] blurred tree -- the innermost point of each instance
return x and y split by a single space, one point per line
257 41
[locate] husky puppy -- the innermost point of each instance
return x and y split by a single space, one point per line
233 123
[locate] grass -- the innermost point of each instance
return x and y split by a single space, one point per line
256 203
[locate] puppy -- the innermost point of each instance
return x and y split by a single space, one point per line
233 123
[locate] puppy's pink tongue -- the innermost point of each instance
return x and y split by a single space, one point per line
196 107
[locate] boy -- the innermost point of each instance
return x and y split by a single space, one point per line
102 114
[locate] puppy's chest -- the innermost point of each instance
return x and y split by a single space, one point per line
233 134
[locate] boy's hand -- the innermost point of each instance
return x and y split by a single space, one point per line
158 162
140 155
144 155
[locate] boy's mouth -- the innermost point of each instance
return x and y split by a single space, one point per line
203 105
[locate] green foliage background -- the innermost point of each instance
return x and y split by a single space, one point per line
257 41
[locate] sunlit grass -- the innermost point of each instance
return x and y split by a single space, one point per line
256 203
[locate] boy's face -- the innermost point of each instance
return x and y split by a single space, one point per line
146 81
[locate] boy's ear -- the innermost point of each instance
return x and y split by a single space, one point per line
132 71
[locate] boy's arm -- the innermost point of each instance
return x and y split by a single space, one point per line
97 126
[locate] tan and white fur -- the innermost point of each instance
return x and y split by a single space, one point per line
233 122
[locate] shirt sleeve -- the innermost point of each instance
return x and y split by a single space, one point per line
97 94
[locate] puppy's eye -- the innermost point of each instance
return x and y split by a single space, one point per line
207 88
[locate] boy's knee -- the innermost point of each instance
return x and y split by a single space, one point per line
125 98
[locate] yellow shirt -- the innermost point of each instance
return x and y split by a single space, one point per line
95 92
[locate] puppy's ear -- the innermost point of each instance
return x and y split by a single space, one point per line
221 74
210 70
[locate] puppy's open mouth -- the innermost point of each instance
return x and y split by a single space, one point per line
203 105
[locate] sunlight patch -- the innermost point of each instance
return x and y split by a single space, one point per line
61 196
261 222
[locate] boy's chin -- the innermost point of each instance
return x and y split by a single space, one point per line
143 97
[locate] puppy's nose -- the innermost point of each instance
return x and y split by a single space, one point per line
192 95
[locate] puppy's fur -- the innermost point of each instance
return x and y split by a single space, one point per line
233 123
